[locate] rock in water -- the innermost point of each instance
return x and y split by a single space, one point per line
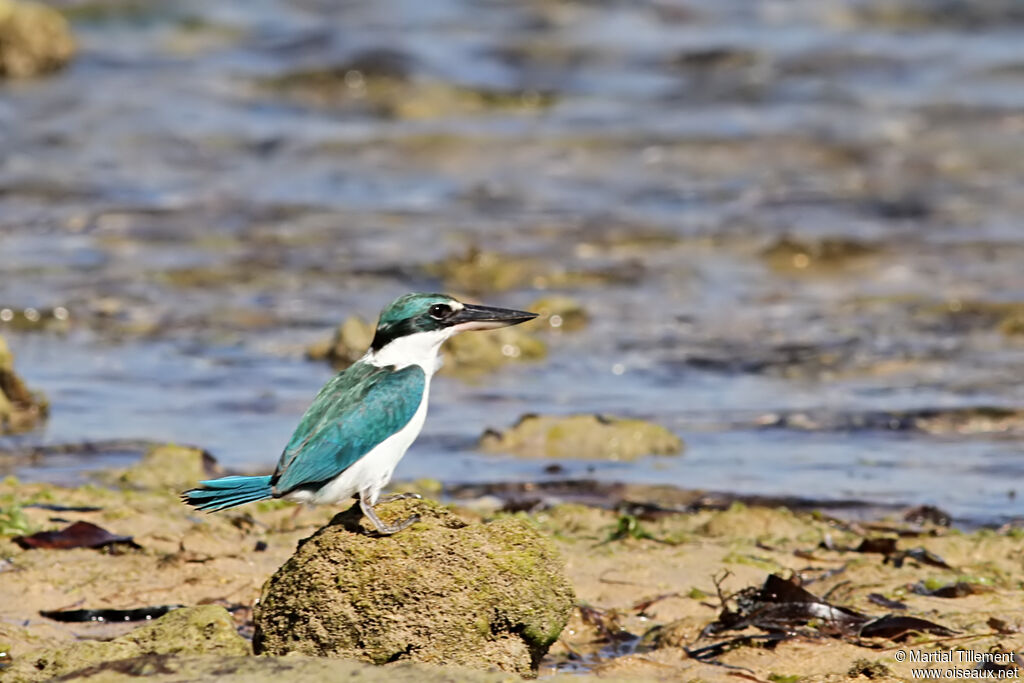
167 467
20 409
591 437
34 39
442 591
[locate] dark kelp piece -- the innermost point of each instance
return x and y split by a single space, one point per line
928 514
920 555
108 615
784 609
885 602
1001 626
960 589
77 535
53 507
880 544
782 606
899 627
888 546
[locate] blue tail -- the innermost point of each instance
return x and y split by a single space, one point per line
227 492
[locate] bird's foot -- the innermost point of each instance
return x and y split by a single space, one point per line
399 496
382 528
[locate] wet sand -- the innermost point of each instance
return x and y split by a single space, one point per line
646 585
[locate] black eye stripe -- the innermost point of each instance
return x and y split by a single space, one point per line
390 331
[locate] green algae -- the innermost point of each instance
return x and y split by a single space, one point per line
13 521
582 436
442 591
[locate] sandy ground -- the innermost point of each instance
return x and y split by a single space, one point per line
646 587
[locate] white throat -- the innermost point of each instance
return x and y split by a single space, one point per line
420 349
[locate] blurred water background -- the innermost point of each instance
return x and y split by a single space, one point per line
795 226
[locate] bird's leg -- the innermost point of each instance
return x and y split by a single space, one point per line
398 496
382 528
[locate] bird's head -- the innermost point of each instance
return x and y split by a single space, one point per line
432 318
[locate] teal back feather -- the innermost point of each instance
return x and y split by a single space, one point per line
355 411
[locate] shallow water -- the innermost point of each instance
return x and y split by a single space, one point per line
204 213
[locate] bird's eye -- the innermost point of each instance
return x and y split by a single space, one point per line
440 311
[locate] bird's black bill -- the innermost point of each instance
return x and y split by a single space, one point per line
473 317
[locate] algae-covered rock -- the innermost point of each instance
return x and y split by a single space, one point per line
56 319
964 315
471 353
166 467
34 39
219 669
795 255
350 341
1012 325
478 271
582 436
464 353
442 591
740 521
561 313
207 629
20 409
383 82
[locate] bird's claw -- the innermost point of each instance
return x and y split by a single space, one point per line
387 529
399 496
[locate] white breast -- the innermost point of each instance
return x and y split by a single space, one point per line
415 349
372 472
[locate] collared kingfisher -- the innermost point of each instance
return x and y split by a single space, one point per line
365 418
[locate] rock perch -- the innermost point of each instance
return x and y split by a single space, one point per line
487 596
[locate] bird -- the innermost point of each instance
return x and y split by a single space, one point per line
366 417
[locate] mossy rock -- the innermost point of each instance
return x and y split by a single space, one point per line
295 669
34 39
166 467
592 437
561 313
1012 325
20 408
383 82
795 255
479 271
466 354
965 315
207 629
473 352
752 523
350 341
442 591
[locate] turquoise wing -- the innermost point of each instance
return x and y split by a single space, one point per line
354 412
